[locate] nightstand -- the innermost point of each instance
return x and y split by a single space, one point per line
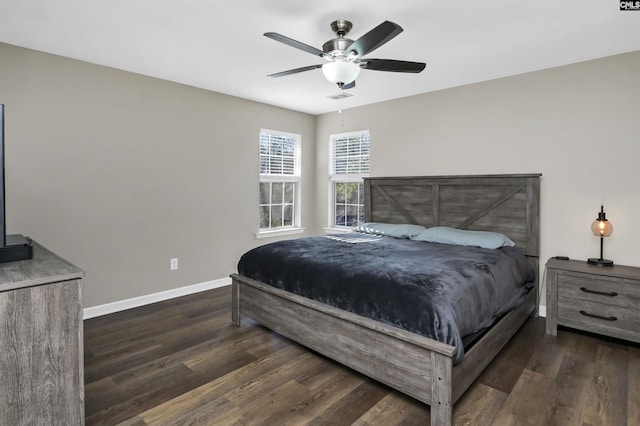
603 300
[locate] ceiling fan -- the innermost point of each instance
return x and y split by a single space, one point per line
345 56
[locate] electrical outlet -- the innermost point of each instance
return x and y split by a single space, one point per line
173 264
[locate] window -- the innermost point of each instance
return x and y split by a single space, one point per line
279 181
349 164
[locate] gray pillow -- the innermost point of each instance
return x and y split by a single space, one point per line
463 237
397 230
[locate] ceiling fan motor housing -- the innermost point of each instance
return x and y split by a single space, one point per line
340 44
336 45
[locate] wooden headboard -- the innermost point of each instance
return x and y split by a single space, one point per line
508 204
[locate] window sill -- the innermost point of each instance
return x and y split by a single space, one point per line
279 233
336 230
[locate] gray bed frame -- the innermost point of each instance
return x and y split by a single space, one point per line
415 365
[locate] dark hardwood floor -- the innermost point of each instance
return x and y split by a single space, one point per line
182 362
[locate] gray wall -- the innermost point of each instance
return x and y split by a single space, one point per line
118 173
578 125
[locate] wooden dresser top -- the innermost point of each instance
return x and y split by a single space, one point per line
620 271
44 268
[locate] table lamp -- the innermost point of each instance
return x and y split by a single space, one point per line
601 227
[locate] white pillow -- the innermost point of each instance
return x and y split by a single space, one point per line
397 230
463 237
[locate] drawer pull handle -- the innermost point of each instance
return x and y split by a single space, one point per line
587 314
602 293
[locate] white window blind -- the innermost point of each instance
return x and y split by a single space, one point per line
351 154
278 154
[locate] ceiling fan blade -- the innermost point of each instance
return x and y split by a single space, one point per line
349 85
392 65
295 71
375 38
294 43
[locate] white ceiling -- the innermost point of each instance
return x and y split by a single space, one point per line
218 45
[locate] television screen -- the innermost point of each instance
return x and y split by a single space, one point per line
12 247
3 233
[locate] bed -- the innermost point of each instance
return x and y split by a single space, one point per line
421 367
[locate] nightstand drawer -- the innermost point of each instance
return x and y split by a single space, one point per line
599 289
599 318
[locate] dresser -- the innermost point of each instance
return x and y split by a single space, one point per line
41 347
603 300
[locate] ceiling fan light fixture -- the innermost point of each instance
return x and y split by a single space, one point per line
341 72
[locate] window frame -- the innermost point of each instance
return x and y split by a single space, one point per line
343 177
295 177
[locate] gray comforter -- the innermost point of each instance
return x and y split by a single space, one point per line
439 291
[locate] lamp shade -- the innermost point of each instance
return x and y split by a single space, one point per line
341 72
601 227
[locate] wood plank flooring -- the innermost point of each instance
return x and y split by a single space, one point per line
182 362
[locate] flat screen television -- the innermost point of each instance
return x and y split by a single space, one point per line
12 247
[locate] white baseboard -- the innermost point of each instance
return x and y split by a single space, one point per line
109 308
